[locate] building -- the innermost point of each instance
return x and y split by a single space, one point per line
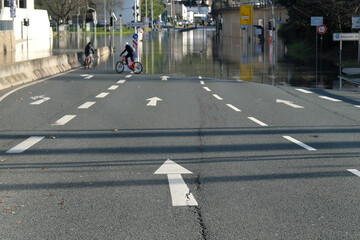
191 10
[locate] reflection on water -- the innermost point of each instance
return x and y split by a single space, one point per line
199 53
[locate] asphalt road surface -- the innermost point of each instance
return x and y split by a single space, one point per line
98 155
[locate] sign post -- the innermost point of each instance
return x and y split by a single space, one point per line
356 25
321 29
316 21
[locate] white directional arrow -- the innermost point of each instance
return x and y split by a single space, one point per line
87 76
153 101
289 103
38 102
180 193
164 78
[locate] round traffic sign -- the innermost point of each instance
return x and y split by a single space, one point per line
321 29
135 36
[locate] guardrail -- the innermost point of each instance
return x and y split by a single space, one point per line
6 25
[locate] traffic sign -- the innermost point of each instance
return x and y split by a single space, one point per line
321 29
135 36
346 37
316 21
246 15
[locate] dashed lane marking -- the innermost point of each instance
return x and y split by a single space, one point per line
102 95
207 89
202 82
355 171
217 97
258 121
121 81
25 144
330 99
86 105
113 87
128 76
233 108
303 90
38 102
307 147
62 121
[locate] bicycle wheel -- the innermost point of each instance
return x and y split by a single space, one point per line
119 67
87 62
137 68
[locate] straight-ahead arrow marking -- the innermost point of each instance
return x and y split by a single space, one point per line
153 101
180 193
164 78
289 103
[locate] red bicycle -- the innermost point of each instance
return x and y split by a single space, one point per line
136 67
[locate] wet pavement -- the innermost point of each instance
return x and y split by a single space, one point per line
200 53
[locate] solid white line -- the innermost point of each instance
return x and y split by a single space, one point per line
299 143
121 81
26 144
330 99
128 76
36 81
38 102
234 108
217 97
62 121
207 89
355 171
303 90
202 82
102 95
113 87
86 105
258 121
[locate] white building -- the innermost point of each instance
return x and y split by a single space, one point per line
38 33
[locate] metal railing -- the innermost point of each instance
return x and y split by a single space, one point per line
6 25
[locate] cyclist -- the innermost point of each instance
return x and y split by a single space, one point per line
88 51
129 54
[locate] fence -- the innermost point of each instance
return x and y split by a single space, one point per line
6 25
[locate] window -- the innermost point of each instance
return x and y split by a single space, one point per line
22 4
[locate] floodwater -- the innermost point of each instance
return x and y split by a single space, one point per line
201 53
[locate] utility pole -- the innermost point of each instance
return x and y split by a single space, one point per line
105 16
152 14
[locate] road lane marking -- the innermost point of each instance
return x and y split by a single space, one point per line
258 121
200 77
217 97
87 76
128 76
299 143
330 99
102 95
121 81
62 121
113 87
153 101
355 171
202 82
38 102
207 89
303 90
233 107
180 193
358 106
26 144
289 103
164 78
86 105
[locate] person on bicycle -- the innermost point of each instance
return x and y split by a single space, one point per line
129 54
88 51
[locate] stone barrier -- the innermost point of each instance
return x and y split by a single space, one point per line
12 74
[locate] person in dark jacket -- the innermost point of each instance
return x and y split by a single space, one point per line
89 50
129 54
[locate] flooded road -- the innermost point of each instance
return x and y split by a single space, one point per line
201 53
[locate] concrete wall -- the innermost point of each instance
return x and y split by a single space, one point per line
7 42
17 73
